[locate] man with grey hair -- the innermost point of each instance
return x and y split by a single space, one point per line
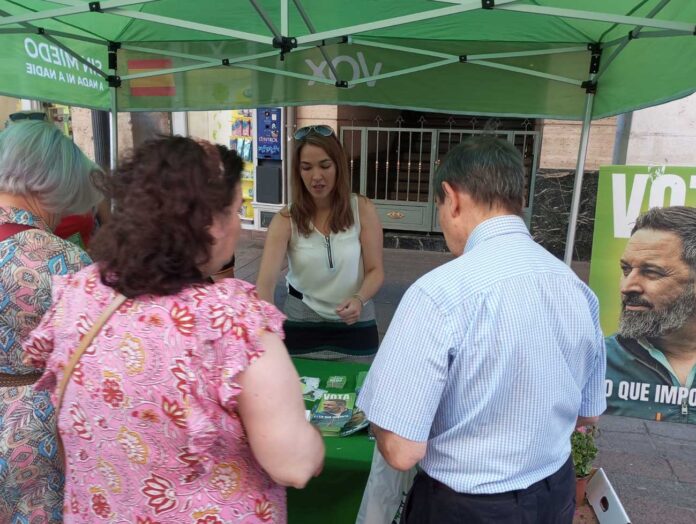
490 361
651 360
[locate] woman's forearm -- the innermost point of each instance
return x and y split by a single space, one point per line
264 289
372 282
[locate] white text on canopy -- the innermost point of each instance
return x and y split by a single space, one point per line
69 70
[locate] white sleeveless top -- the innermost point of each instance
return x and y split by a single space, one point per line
326 269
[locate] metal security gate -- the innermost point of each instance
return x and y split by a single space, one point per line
394 167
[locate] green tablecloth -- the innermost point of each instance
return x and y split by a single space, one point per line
335 495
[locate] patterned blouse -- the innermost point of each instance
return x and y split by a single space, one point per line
27 262
31 476
149 420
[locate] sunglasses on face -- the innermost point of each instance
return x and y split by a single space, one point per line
16 117
319 130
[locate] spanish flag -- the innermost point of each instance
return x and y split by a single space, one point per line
161 85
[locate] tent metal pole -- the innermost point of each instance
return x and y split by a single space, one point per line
579 172
412 50
83 7
172 70
465 5
37 30
538 52
612 57
633 10
194 26
312 29
172 21
28 28
405 71
284 21
113 130
266 19
649 34
207 59
210 62
597 17
114 82
632 34
484 56
166 52
455 60
529 72
289 149
289 74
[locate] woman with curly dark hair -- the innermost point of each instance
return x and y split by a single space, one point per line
186 407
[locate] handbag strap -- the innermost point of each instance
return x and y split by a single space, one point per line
84 344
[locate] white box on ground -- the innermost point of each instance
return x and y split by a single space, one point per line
604 500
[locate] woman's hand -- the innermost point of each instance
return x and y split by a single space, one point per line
349 310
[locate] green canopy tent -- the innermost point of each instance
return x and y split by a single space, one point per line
565 59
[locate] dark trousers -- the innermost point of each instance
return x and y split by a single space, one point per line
549 501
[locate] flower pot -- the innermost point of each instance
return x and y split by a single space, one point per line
580 487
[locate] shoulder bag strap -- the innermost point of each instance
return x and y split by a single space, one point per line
84 344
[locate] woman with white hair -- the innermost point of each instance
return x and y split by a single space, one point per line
43 175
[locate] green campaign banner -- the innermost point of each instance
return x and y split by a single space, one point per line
643 380
36 68
309 79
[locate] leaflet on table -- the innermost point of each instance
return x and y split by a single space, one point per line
332 412
357 422
336 382
347 424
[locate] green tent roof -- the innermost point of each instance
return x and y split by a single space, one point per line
528 58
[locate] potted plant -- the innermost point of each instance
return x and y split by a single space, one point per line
584 451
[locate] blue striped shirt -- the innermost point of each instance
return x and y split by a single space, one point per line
490 358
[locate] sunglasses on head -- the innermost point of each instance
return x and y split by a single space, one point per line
319 130
16 117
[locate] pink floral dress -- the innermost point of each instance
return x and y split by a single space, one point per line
149 419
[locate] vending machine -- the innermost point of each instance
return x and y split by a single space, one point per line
270 186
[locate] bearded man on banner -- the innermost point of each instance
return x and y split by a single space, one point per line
651 360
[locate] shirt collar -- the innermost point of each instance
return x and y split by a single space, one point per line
662 359
493 227
15 215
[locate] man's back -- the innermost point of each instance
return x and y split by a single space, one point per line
506 340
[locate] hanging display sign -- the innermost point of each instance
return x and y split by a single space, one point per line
644 304
269 133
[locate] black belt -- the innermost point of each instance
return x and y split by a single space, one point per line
565 470
294 293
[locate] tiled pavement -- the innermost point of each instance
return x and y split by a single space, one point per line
652 465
